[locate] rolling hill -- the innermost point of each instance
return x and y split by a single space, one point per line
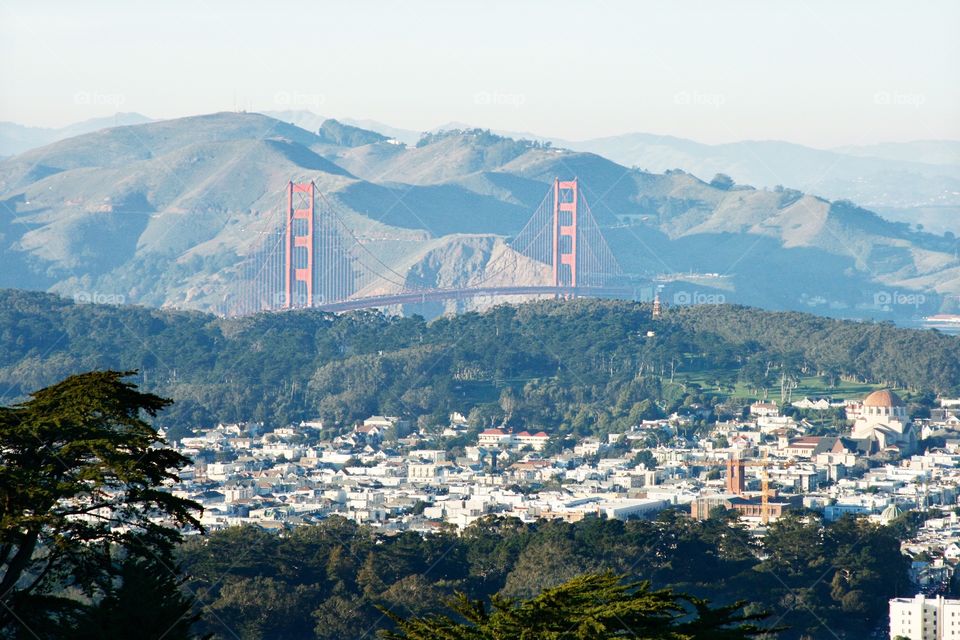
917 182
913 182
160 213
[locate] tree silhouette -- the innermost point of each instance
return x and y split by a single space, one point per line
596 606
83 502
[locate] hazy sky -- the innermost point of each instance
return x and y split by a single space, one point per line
818 73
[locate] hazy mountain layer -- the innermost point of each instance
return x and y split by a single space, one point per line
17 138
918 192
163 212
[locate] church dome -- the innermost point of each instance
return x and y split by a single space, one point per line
891 513
883 398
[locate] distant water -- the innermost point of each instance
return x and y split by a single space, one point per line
953 331
949 328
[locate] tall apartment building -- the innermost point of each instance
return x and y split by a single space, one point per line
922 618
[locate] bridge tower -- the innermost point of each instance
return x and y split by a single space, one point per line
299 245
565 201
305 254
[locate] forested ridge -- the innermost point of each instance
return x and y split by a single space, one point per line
582 366
880 352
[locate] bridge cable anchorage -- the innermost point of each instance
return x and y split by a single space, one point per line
308 256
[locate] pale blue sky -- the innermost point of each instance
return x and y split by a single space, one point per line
818 73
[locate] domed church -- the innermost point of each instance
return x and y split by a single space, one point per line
883 420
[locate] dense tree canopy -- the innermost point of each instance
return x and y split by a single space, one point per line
596 606
337 578
574 367
83 507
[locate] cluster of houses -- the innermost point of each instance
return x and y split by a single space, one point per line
385 473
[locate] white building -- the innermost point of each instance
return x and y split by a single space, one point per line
765 409
384 422
821 404
921 618
428 472
502 438
587 447
494 438
768 424
883 418
536 441
623 509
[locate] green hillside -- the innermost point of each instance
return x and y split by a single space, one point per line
570 367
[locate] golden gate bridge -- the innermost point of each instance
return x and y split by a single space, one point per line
308 257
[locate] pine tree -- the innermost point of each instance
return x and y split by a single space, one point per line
148 601
595 606
368 579
82 488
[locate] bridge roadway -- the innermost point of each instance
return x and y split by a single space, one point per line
434 295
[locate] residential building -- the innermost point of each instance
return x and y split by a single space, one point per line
923 618
764 409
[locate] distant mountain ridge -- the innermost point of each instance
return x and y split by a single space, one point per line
907 191
17 138
945 152
915 182
161 213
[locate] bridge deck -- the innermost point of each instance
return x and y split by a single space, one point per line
435 295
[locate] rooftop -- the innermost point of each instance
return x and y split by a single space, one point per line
883 398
